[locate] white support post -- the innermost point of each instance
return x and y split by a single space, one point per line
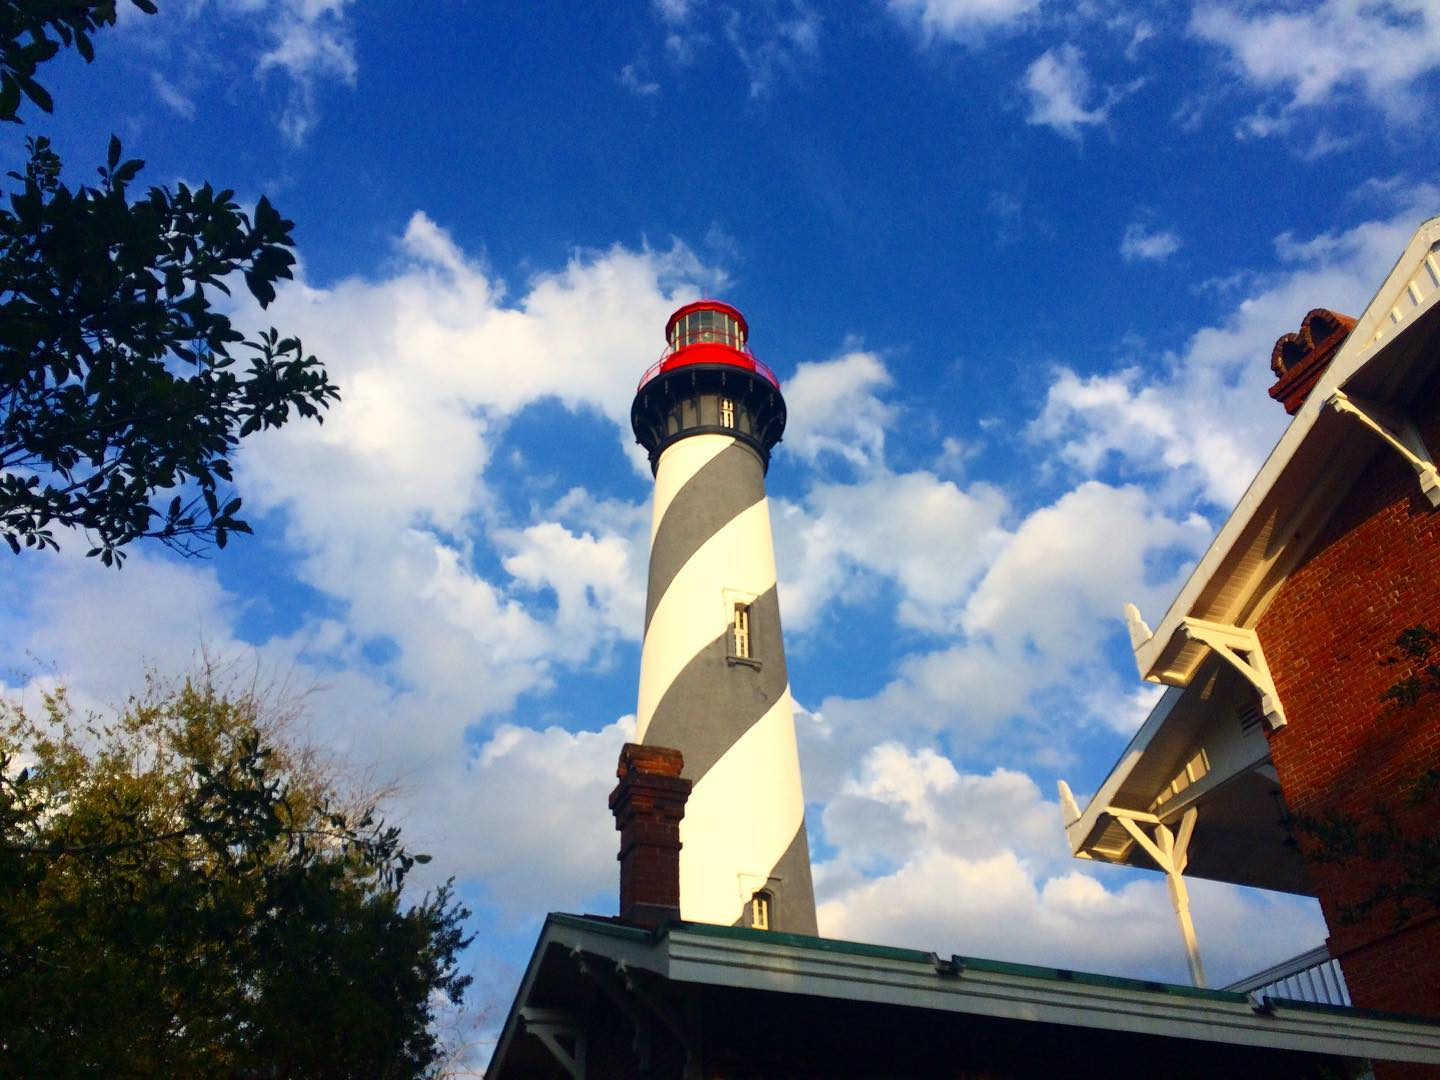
550 1026
1240 647
1171 853
1399 431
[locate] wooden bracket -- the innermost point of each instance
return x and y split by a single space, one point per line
1241 649
1399 432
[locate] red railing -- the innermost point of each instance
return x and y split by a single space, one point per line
671 352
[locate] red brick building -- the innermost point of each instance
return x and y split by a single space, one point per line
1282 645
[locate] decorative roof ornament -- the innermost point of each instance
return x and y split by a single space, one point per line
1299 359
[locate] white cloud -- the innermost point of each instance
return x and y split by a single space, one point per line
770 43
1023 614
960 18
630 79
770 38
386 502
836 409
1311 55
299 46
975 864
674 12
598 580
525 814
395 515
1142 244
1059 87
1200 420
172 97
1122 710
1059 574
311 42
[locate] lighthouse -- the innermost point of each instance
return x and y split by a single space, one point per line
713 682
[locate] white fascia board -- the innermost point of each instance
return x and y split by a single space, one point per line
1016 995
839 970
1079 831
1374 330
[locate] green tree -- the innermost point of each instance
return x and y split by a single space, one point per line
118 378
184 894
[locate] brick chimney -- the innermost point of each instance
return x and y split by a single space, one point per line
648 805
1298 360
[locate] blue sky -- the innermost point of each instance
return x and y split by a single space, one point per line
1019 264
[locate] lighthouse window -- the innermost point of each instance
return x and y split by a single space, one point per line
727 412
742 632
760 911
707 326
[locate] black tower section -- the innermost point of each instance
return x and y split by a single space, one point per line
690 400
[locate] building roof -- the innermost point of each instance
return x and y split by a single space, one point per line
982 997
1168 767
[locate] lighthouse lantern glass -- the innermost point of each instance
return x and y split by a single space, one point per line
707 326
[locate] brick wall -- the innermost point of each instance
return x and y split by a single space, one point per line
1373 572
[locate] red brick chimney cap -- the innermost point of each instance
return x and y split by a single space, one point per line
649 760
1317 332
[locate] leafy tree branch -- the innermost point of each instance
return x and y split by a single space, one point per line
119 379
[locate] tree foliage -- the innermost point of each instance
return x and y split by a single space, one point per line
180 896
119 379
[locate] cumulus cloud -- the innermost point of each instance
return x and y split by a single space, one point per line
935 858
1309 56
1022 619
837 409
538 798
1140 244
1199 420
485 807
442 597
388 504
929 536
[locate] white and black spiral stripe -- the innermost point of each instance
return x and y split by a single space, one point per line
744 825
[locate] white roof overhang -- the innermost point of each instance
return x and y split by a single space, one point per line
1201 749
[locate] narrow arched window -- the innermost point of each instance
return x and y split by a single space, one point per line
727 412
760 911
741 632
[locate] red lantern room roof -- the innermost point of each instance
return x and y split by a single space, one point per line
708 332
